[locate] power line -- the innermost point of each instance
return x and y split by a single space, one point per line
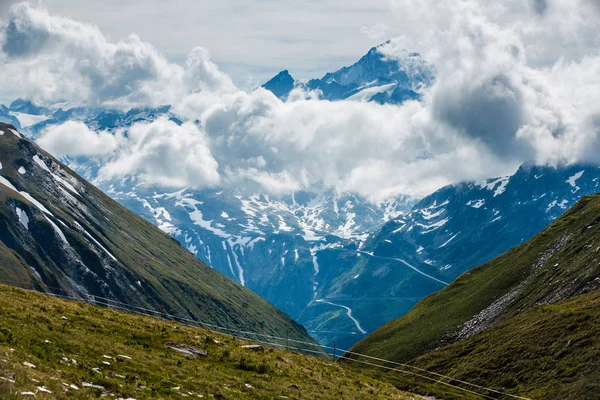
430 372
420 376
110 303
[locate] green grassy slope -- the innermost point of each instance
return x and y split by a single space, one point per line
555 266
151 269
550 352
50 333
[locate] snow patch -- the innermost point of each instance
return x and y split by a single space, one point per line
57 178
58 231
491 185
449 240
573 180
34 202
315 264
23 218
41 163
239 267
35 271
196 216
86 233
254 241
27 120
562 205
230 265
476 203
208 255
432 227
17 134
428 215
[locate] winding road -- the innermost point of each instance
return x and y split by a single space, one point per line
348 312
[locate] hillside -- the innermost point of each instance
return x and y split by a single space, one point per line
550 352
58 349
516 317
61 234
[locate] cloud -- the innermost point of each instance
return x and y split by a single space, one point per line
160 152
491 111
375 32
75 139
375 150
50 58
540 6
510 87
166 154
595 3
201 74
6 4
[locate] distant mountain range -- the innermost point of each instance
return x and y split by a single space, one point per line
62 235
32 119
382 75
445 234
335 262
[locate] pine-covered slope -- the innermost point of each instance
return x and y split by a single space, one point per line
527 320
63 235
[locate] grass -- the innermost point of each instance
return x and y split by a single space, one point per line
50 333
550 352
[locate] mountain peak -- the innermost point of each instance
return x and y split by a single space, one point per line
380 76
25 106
281 84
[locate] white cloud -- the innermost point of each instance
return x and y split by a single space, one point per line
75 139
166 154
50 58
515 81
160 152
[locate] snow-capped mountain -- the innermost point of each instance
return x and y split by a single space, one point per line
337 263
281 84
451 231
465 225
271 245
382 76
32 119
